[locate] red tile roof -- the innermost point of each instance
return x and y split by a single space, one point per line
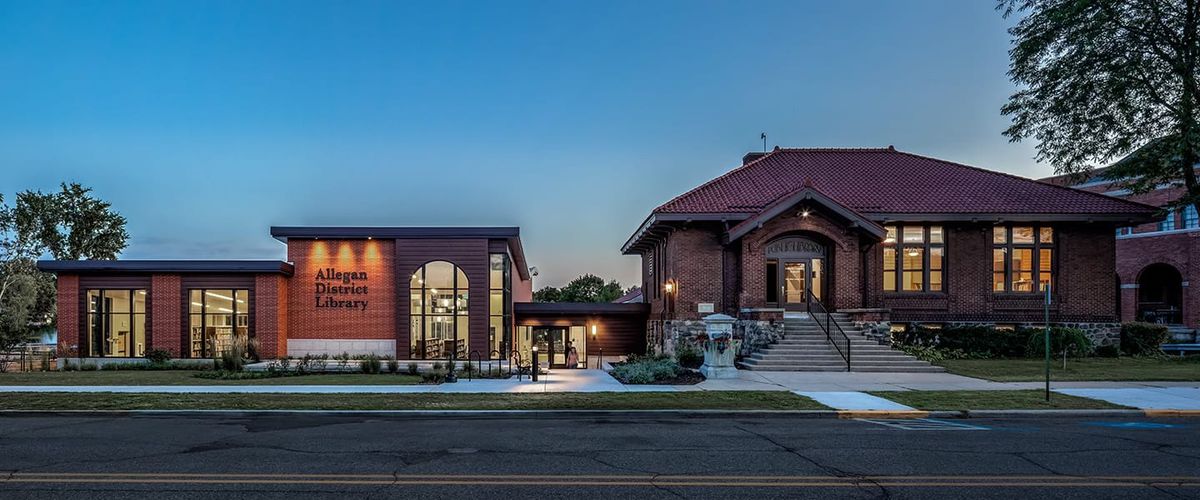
886 181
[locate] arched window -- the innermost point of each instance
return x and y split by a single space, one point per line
438 312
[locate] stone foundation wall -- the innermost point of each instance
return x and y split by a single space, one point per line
1101 334
754 334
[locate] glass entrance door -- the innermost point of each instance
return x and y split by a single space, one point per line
553 346
797 278
795 281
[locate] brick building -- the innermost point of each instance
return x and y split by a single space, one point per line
408 292
886 237
1156 260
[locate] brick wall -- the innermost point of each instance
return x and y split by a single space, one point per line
1087 278
69 318
270 312
695 261
375 257
166 315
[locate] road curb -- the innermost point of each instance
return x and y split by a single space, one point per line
526 414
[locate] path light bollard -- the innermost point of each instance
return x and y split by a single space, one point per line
450 376
533 365
720 348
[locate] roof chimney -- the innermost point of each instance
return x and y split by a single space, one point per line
753 155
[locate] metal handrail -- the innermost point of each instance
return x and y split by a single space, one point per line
829 326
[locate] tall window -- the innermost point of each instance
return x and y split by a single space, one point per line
914 259
218 319
1167 224
499 310
438 312
1190 219
1022 258
116 323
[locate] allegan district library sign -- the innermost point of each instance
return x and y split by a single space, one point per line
337 289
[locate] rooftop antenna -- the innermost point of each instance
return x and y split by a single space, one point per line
764 139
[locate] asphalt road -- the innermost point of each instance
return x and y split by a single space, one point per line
315 456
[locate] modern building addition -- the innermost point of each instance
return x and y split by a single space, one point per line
414 293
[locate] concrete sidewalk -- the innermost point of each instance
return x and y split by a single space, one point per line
1146 398
599 381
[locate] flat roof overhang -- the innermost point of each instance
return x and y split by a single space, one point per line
580 308
509 233
167 266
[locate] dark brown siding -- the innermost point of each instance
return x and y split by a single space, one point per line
617 333
471 255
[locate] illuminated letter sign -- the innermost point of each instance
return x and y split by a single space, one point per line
332 286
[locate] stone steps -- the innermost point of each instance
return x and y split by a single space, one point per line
805 347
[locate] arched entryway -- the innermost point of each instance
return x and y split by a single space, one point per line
797 271
1160 294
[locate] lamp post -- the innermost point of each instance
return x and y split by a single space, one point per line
533 365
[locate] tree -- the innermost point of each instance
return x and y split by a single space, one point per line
70 224
18 285
1102 78
586 288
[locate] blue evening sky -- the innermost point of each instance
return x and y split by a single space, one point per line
206 122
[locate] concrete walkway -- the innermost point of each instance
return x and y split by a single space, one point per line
859 401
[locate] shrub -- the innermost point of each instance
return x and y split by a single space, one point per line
468 368
412 369
972 342
393 365
647 370
69 366
688 355
88 367
226 375
1062 339
1107 351
433 377
158 356
926 353
1143 338
371 364
232 359
437 365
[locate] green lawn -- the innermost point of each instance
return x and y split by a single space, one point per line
717 400
1028 370
992 400
184 377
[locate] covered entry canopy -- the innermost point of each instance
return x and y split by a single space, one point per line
620 329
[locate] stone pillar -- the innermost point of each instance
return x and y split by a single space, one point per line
720 348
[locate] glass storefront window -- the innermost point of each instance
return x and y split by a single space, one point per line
219 320
499 311
438 312
116 323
